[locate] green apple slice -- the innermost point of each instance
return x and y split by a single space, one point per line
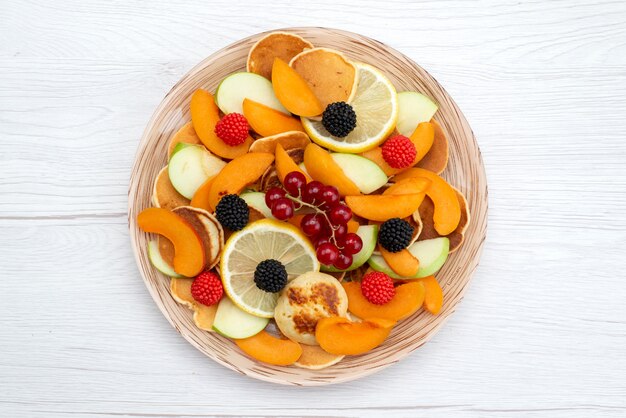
366 174
232 322
256 200
190 166
157 261
369 236
413 109
238 86
431 253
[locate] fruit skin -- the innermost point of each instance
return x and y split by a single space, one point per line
366 175
190 167
292 90
207 288
189 255
432 254
238 173
285 164
338 335
269 349
256 200
377 288
447 213
232 322
204 116
403 263
408 299
232 212
369 235
270 276
433 300
339 119
399 152
267 121
395 234
321 167
381 207
413 108
232 129
236 87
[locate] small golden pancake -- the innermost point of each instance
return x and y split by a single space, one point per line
328 73
270 178
416 223
203 315
185 134
164 195
314 358
209 230
436 159
426 211
289 140
305 300
281 45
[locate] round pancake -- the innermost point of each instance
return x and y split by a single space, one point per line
164 195
186 134
436 159
314 358
304 301
289 140
203 315
281 45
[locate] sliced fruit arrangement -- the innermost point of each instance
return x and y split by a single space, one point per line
302 212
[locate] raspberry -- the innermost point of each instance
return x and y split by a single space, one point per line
377 288
232 129
207 288
399 152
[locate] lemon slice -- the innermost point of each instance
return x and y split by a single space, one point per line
262 240
375 103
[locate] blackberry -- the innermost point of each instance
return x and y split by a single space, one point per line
232 212
395 235
339 119
270 276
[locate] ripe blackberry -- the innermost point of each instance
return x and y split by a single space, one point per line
232 212
339 119
395 234
270 276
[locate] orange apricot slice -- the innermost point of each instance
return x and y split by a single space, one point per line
269 349
403 263
433 300
408 186
422 137
283 45
205 115
201 196
322 167
383 207
436 159
353 226
267 121
408 299
186 134
189 259
337 335
447 212
293 92
376 155
285 165
237 174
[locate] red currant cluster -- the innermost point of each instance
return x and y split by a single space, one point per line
325 221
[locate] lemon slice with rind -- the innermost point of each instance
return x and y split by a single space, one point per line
375 103
262 240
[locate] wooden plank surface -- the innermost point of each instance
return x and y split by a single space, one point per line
542 330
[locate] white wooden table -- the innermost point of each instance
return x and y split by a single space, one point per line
542 329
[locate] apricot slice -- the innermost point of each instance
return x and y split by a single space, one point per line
383 207
201 196
425 216
322 167
164 195
283 45
447 212
337 335
238 173
376 155
269 349
186 134
433 300
189 259
422 137
285 165
408 299
205 115
203 315
403 263
293 92
408 186
353 226
267 121
436 159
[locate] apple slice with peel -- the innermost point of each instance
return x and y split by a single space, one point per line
413 109
190 166
369 236
232 322
256 200
431 253
157 260
366 174
236 87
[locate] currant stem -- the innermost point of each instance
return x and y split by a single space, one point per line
318 211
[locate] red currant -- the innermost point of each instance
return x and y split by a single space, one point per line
321 241
311 192
352 243
340 231
340 214
327 253
311 224
272 195
330 196
283 209
294 182
343 261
